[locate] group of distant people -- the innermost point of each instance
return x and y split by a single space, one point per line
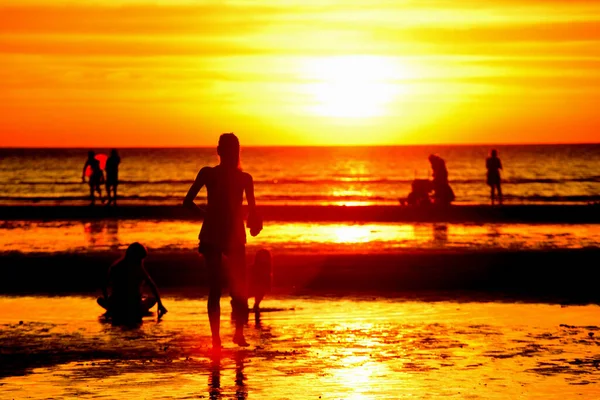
222 234
96 176
439 185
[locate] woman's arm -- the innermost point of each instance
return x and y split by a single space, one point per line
194 189
255 222
84 168
249 188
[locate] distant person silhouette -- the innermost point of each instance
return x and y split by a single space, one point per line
96 177
125 304
112 176
494 165
223 233
443 193
261 276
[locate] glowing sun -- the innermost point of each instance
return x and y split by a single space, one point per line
352 86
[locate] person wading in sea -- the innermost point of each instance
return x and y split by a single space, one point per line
96 177
494 165
112 176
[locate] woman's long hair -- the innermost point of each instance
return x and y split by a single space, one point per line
229 151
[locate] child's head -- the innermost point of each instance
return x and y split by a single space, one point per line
494 153
263 257
136 252
229 150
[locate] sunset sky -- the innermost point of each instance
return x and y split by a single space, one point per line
178 73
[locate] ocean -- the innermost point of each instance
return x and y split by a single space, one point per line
312 175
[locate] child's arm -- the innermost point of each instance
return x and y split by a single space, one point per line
161 308
200 181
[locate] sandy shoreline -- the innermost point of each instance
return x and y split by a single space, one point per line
459 213
305 348
555 276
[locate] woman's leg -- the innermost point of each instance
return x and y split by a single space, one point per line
114 199
492 193
239 293
99 190
213 266
92 196
499 193
257 299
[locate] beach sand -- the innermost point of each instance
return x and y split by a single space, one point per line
303 348
360 309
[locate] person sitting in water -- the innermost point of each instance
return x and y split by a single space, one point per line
261 276
493 166
443 193
125 279
419 195
96 177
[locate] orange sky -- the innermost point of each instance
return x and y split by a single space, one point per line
178 73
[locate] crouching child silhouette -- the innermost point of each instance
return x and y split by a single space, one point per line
261 277
125 303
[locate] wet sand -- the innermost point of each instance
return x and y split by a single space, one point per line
70 236
304 348
378 213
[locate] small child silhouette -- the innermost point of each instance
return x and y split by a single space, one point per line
261 276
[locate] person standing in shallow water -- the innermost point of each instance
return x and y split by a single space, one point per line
223 233
494 165
112 176
96 177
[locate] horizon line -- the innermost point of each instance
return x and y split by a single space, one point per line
305 145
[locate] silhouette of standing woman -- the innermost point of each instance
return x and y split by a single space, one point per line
494 165
96 178
112 176
223 233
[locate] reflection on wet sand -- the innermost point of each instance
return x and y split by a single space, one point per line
214 378
31 236
102 234
440 235
305 348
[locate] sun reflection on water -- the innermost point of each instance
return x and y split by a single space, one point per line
69 236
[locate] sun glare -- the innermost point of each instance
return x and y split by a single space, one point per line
353 86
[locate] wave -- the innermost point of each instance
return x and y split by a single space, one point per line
306 198
364 180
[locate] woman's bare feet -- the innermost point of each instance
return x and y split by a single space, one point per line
216 345
240 340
